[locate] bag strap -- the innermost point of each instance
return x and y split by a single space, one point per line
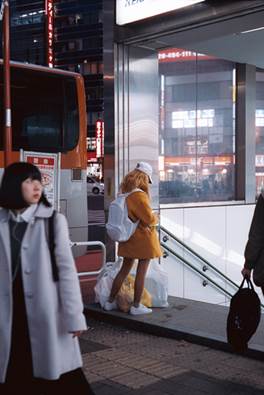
126 194
249 283
51 243
133 190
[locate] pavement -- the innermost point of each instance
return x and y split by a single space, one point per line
184 319
119 361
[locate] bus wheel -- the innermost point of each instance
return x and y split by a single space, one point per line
96 190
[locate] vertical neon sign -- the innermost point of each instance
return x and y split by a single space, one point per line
99 138
50 32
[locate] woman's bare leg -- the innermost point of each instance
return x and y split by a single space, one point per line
120 278
142 268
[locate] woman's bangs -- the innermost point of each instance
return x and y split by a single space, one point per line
34 174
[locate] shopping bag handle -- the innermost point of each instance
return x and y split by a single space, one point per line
249 283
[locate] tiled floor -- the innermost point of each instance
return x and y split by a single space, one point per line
120 361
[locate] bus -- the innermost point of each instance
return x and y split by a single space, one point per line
49 115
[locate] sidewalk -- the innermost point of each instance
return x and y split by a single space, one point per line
197 322
120 361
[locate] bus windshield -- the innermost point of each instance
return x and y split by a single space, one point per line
44 110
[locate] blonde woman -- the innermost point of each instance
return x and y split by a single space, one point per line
143 245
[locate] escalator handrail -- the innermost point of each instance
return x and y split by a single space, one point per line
198 256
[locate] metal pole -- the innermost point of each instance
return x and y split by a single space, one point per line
7 90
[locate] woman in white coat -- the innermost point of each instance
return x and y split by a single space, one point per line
40 318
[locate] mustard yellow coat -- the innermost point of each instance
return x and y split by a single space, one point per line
144 243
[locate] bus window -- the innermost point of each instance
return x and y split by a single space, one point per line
71 116
33 126
44 111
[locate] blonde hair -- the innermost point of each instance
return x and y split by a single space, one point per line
135 179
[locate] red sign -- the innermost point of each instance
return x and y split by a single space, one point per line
38 161
91 156
50 32
48 166
99 138
180 55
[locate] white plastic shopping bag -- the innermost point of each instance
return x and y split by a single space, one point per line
105 280
156 283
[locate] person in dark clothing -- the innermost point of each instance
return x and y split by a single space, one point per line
254 250
40 318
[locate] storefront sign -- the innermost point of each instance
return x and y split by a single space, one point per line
50 32
128 11
99 138
48 165
180 55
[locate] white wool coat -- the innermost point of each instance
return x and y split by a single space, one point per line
53 308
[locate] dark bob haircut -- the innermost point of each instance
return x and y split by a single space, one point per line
11 186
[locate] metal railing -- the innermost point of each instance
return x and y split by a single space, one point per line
91 243
206 279
205 263
197 271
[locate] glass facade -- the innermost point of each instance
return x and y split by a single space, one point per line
197 127
259 131
28 30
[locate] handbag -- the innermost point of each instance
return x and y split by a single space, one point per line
243 317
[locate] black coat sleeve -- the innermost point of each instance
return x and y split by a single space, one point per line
255 242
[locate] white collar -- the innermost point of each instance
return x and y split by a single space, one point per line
26 216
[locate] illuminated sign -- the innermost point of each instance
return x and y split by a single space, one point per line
2 10
219 160
259 161
161 163
91 156
99 126
193 118
50 32
128 11
179 55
